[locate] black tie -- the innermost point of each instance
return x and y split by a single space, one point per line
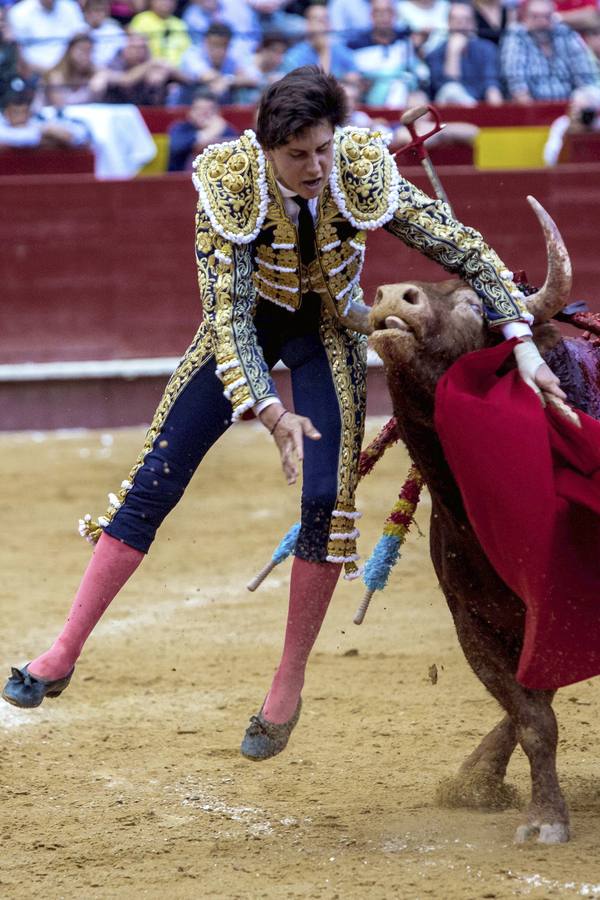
306 230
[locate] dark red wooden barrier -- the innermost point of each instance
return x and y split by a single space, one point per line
46 161
582 148
158 118
105 270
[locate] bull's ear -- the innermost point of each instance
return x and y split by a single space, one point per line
555 292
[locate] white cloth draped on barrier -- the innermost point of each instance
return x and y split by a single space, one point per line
121 139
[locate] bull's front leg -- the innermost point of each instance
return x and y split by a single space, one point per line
479 783
537 730
535 727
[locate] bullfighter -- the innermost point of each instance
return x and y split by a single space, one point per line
282 223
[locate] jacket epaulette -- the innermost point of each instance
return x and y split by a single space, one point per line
364 178
231 182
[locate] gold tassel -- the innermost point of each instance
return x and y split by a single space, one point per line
351 570
89 529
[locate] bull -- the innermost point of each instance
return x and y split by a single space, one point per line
419 331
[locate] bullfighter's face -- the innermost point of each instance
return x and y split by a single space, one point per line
304 163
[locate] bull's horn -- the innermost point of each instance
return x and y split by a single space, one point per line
555 291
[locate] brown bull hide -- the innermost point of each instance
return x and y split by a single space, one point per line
419 331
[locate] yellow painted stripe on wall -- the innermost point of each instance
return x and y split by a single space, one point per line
158 165
518 147
511 148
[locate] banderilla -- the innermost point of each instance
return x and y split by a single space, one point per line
417 147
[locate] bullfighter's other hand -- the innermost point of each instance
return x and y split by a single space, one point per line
288 430
542 380
535 372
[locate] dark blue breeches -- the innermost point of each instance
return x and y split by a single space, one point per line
200 415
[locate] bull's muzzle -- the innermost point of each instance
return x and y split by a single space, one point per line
397 306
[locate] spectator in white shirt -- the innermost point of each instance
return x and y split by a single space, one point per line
43 28
265 67
354 88
213 65
424 15
107 35
387 59
245 25
20 127
427 20
349 18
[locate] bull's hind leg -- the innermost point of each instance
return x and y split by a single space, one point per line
535 725
480 782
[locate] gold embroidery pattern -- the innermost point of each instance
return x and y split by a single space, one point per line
271 290
337 283
225 280
428 226
333 228
347 355
265 275
197 354
284 229
326 233
277 250
228 177
335 261
364 177
286 258
250 354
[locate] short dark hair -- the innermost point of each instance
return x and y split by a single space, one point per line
299 100
273 37
204 93
219 29
19 93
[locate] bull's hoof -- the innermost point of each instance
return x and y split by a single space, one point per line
477 790
546 833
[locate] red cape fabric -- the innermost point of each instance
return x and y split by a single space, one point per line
530 482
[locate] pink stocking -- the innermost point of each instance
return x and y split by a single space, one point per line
111 565
311 587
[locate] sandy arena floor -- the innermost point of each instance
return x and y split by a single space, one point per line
131 784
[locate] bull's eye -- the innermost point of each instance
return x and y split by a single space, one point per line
475 305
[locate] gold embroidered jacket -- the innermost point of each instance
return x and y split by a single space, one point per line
247 247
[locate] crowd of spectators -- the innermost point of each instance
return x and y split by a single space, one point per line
203 54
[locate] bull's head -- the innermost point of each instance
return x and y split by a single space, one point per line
423 328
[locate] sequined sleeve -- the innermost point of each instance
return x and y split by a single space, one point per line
227 293
427 225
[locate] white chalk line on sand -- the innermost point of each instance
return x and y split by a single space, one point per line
155 611
11 717
582 889
153 614
254 821
407 844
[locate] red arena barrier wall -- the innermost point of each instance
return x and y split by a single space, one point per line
105 271
158 118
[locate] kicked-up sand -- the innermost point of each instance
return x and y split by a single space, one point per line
131 783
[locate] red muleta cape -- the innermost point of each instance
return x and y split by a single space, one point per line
530 482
